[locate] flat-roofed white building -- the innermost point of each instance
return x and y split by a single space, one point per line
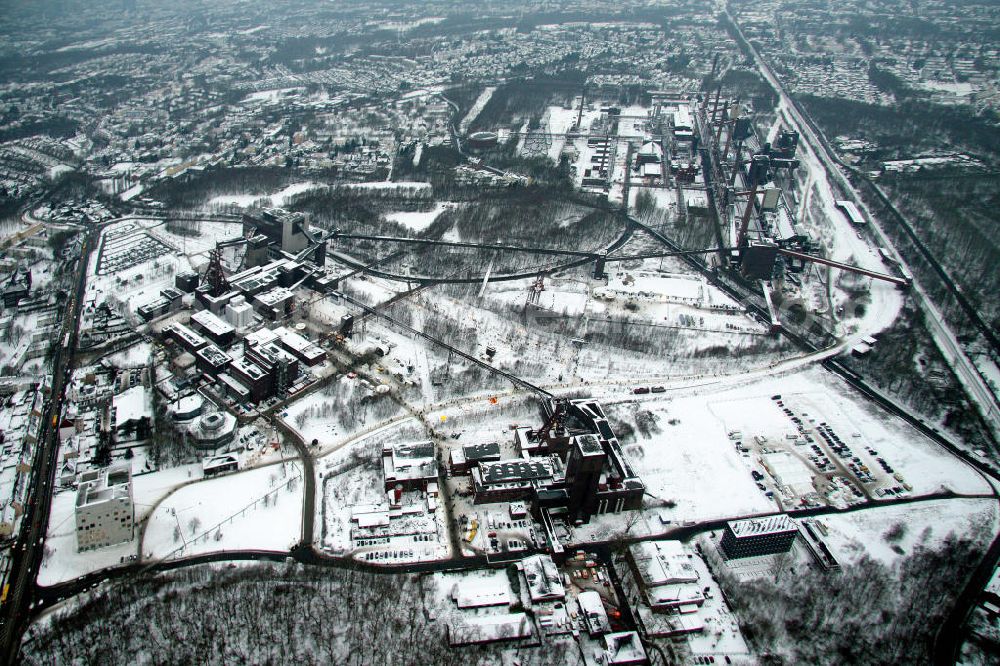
662 582
410 465
239 313
274 303
624 648
489 629
594 616
482 591
214 328
105 514
300 347
187 338
662 562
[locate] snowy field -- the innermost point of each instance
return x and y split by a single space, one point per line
568 297
926 466
314 417
338 410
135 356
853 535
372 290
148 489
279 198
676 331
695 463
62 562
419 220
476 109
260 509
196 248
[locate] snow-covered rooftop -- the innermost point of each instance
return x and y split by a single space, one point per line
479 591
760 526
544 580
132 404
488 628
663 562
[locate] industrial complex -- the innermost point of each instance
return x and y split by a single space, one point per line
499 335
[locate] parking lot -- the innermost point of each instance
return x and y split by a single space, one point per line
126 247
398 549
813 464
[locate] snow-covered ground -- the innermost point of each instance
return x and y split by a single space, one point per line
62 562
135 356
531 348
853 535
845 244
268 95
419 220
695 463
148 489
351 483
412 187
259 509
372 290
476 109
337 411
196 247
279 198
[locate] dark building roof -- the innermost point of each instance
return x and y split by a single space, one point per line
476 452
515 470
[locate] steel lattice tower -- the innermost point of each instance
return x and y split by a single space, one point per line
215 277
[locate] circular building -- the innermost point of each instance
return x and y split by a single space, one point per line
482 140
187 408
212 430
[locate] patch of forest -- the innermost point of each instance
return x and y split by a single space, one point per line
908 128
964 326
749 84
199 188
528 98
907 365
866 613
956 217
259 614
691 230
437 166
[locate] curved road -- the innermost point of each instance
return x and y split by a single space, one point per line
304 554
947 640
27 555
945 338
